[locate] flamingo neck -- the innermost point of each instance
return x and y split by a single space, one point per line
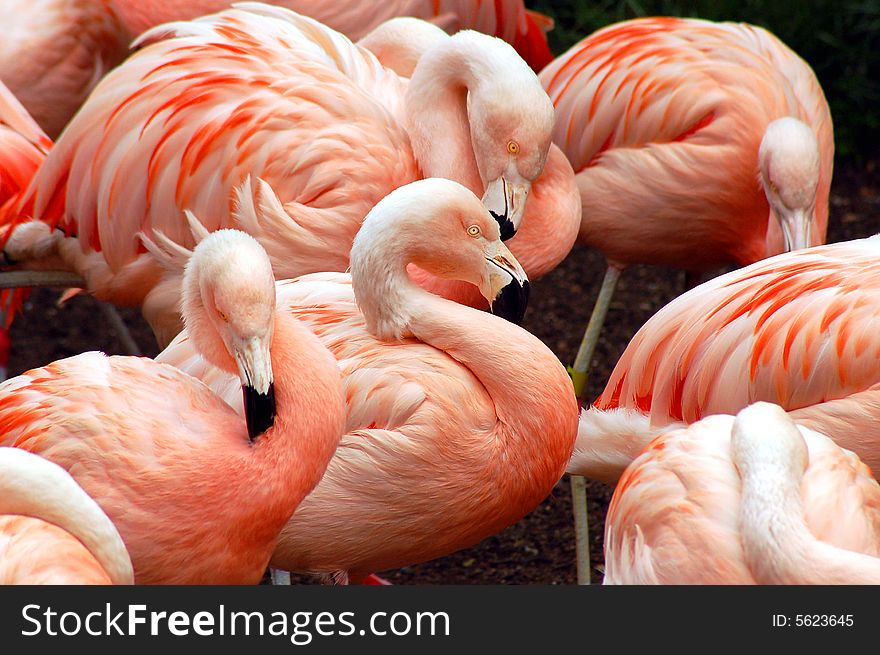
32 486
437 104
532 394
288 460
778 545
519 372
399 43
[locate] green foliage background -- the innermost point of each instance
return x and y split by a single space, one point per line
839 39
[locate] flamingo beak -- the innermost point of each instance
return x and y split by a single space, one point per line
506 285
796 224
505 199
258 389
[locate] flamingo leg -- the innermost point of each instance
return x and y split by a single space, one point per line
121 329
280 577
578 372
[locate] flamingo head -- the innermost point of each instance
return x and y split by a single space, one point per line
511 119
229 309
766 441
789 171
443 228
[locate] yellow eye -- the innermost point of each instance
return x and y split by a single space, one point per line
512 147
773 188
474 230
223 317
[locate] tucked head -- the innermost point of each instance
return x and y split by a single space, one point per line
765 441
789 168
229 308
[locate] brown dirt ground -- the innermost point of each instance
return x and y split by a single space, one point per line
539 549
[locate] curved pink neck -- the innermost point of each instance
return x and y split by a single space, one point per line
437 111
285 462
533 396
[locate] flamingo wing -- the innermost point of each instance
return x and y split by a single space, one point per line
253 91
797 330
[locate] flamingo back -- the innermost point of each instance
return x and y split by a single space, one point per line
255 90
674 516
668 114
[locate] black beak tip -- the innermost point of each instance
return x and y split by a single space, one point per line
506 225
259 410
511 303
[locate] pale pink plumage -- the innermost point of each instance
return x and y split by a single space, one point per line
751 500
55 51
51 532
170 463
662 119
507 19
458 422
263 91
798 330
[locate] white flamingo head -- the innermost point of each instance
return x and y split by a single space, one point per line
789 171
229 307
443 228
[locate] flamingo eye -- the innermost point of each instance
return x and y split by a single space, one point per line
474 230
512 147
223 317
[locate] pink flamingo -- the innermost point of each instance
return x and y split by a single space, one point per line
51 531
797 330
55 51
687 137
198 493
748 500
696 144
506 19
260 90
456 419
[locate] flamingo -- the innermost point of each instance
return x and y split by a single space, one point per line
55 51
798 330
458 423
51 531
687 137
198 493
261 90
696 145
751 499
507 19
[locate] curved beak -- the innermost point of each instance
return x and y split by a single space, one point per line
796 225
505 285
258 389
505 199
